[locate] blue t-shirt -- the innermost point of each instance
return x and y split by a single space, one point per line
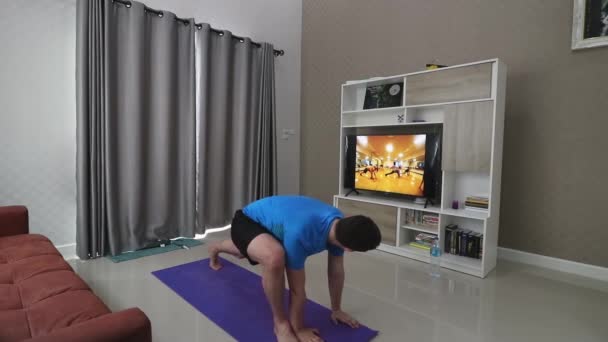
301 223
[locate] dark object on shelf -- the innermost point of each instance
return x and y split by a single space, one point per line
450 230
433 66
383 96
351 191
454 204
463 242
418 120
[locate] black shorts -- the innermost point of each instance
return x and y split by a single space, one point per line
243 231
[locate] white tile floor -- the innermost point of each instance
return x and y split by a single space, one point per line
393 295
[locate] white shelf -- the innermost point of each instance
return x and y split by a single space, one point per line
448 103
479 215
373 110
398 124
396 78
392 202
427 95
418 251
461 261
374 81
378 125
407 251
423 123
449 261
421 229
410 205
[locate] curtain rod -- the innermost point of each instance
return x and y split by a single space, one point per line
160 14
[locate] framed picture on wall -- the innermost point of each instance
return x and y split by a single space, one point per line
590 24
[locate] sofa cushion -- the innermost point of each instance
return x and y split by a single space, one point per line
64 310
43 300
28 250
55 283
33 266
14 325
39 291
9 297
6 274
16 240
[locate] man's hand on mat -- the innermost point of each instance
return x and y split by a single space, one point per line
309 335
214 260
339 316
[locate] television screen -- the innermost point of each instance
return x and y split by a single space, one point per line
391 163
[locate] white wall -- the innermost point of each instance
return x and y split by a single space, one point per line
37 96
38 113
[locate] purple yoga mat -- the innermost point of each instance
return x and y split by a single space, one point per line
233 298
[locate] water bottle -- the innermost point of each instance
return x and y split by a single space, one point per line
435 258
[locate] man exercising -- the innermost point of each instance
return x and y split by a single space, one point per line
279 233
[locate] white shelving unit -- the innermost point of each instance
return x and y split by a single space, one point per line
468 100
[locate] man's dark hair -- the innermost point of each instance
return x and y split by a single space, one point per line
358 233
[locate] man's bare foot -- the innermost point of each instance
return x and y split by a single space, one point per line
284 332
308 335
214 261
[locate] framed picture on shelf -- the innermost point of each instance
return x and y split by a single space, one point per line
590 24
383 96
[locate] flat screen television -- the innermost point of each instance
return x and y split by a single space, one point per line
402 164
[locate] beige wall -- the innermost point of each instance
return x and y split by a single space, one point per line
555 186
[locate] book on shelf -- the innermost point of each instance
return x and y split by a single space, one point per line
468 200
478 199
481 210
426 238
478 206
450 231
477 202
463 242
462 247
420 245
420 218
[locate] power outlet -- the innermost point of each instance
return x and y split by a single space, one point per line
287 132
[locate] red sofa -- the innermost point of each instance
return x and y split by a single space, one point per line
42 299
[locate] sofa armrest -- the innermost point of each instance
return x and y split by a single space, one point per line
13 220
130 325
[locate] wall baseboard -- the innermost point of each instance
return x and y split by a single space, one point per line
562 265
590 271
68 251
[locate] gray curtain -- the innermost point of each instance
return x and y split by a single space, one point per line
136 127
265 169
236 111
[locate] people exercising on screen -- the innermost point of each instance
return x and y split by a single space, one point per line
395 169
371 170
279 233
